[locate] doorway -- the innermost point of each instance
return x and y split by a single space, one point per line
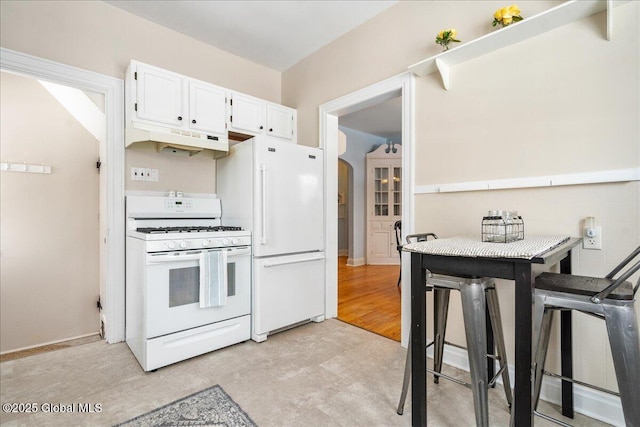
399 86
50 280
369 205
111 238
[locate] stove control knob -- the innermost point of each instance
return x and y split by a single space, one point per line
183 244
225 241
235 241
171 244
206 242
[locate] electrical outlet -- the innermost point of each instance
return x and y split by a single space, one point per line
147 174
592 238
155 175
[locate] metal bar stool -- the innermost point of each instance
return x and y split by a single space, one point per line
477 295
608 299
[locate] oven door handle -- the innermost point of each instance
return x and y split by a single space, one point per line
161 259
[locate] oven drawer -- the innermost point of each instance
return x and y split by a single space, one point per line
163 351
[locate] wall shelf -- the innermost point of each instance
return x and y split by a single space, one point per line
529 27
598 177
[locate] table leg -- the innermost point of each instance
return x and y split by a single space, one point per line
418 342
566 349
523 415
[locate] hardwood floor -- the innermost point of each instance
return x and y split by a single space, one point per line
369 298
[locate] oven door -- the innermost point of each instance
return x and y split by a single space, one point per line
177 299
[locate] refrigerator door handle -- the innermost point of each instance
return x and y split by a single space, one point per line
263 216
278 263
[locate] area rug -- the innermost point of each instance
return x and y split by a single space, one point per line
209 407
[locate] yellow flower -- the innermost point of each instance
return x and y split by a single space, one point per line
514 10
452 33
498 15
507 19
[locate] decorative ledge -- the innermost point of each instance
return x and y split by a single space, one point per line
599 177
527 28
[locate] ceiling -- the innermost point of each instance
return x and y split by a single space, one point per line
384 120
277 34
274 33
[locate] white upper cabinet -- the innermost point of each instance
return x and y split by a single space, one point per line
159 96
247 114
256 116
207 108
164 98
281 121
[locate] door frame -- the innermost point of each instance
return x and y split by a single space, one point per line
112 223
400 85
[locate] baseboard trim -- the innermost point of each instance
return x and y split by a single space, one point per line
355 262
343 252
592 403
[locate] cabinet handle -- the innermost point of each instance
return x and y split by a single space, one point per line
270 129
261 127
193 121
179 117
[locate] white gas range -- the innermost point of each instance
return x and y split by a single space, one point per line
188 279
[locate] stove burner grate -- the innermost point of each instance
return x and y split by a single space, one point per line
187 229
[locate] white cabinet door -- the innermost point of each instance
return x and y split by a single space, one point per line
280 121
247 114
288 198
160 96
207 108
384 204
286 290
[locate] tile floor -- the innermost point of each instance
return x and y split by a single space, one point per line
326 374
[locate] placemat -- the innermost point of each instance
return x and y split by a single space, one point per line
471 246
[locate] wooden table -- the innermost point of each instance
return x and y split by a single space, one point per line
523 272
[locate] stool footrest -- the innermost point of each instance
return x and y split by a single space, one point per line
496 376
553 420
447 377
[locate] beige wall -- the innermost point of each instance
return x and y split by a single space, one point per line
96 36
566 101
49 276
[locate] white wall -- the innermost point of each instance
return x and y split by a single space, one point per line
358 144
49 280
566 101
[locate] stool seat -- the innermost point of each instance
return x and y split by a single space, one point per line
582 285
608 299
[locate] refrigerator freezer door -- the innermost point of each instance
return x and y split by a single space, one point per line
288 198
287 290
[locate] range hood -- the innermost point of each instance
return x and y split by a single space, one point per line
191 142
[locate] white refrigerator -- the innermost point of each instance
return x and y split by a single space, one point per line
275 190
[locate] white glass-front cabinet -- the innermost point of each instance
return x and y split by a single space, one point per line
384 204
255 116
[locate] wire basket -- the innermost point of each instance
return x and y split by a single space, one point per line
502 227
